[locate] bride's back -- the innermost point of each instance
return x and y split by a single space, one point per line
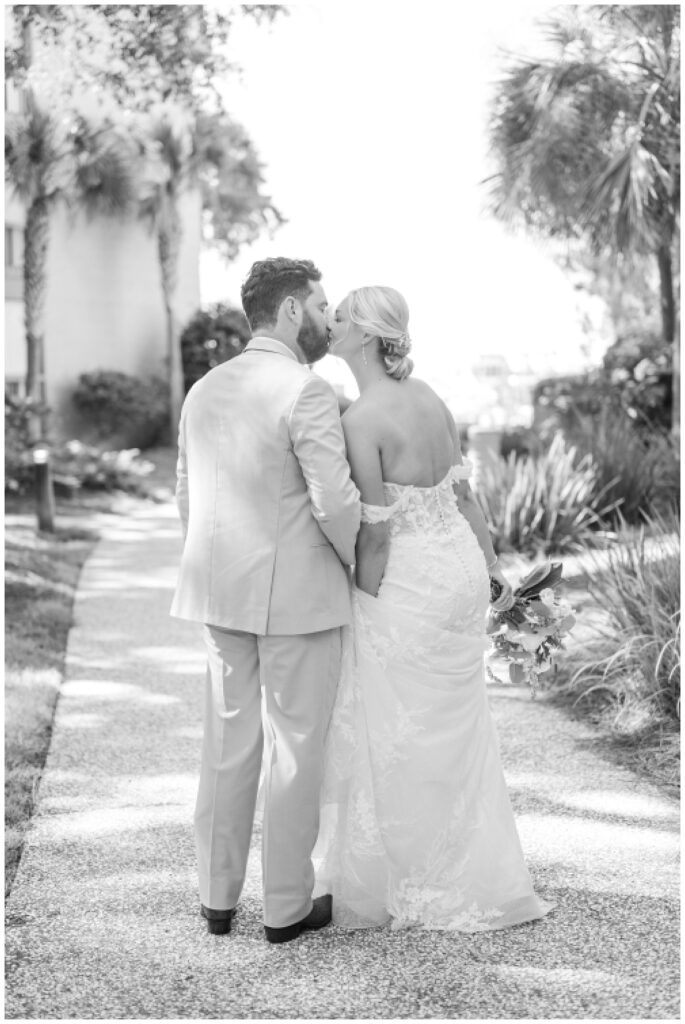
412 428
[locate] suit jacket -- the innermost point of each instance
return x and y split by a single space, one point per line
269 511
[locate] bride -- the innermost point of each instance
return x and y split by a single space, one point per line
416 824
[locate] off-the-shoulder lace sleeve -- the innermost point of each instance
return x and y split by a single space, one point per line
462 472
377 513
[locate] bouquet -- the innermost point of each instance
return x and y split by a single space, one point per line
528 633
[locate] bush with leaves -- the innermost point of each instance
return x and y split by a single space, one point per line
637 470
626 672
77 465
544 504
123 410
18 455
519 439
635 382
212 336
639 586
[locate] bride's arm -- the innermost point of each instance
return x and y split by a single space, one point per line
373 540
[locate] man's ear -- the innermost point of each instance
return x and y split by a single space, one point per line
292 309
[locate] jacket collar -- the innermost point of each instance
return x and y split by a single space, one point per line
262 344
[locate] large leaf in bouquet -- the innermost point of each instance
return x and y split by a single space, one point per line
540 608
517 673
513 616
538 579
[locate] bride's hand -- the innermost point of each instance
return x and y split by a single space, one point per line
506 597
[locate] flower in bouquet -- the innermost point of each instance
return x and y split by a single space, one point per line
529 633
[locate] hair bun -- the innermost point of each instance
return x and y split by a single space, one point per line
397 365
395 352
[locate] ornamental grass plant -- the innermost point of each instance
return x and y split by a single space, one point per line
637 466
628 674
546 503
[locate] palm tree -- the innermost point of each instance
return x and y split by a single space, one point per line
171 161
51 159
212 152
587 140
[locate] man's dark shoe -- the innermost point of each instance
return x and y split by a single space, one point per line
218 921
318 917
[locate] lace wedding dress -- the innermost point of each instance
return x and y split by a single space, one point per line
416 824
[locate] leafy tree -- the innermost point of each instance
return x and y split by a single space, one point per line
144 54
587 140
231 179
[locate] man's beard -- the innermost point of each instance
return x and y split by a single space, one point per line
312 340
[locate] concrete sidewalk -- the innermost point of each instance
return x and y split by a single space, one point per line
103 918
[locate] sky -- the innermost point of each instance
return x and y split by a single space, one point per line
371 123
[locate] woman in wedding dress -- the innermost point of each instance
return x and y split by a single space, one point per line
416 824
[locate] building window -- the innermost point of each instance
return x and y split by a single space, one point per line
14 247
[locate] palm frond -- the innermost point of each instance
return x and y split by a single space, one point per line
627 190
107 178
33 154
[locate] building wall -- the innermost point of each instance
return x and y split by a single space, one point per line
104 308
15 355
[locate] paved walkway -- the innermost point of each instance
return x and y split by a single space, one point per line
103 919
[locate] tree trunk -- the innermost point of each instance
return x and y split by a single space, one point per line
668 324
169 241
36 233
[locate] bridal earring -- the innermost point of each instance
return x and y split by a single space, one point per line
364 354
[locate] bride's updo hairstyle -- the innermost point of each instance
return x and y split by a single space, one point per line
384 313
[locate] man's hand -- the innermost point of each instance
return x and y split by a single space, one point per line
506 597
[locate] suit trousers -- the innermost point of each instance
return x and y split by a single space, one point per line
270 695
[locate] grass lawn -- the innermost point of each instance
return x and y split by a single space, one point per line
41 576
41 573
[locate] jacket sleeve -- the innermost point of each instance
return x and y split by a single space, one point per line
182 500
319 446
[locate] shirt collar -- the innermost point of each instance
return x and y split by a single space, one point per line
263 344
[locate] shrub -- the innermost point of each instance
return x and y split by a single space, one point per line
78 465
125 411
521 440
639 372
544 504
638 470
212 336
635 382
18 457
633 673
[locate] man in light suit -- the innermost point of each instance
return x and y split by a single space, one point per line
270 517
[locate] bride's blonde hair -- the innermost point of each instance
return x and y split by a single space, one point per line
384 313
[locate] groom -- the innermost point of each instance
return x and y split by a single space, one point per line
270 517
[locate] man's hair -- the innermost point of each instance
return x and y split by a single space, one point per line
269 282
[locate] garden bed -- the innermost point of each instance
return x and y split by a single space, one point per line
621 669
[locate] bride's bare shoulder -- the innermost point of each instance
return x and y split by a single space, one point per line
359 414
382 402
